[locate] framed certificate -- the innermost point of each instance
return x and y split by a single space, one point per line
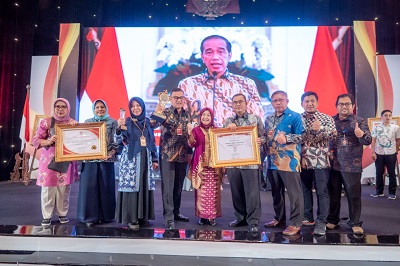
86 141
234 147
377 121
36 123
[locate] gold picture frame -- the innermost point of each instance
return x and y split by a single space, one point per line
377 121
36 123
234 147
85 141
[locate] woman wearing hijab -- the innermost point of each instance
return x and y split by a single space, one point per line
135 201
55 183
96 198
205 180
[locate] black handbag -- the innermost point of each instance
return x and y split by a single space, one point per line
61 167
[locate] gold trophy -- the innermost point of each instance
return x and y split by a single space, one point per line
163 99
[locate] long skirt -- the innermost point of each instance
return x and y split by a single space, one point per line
208 196
135 206
96 198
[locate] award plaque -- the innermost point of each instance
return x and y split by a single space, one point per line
163 99
234 147
86 141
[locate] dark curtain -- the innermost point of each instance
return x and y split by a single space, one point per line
17 29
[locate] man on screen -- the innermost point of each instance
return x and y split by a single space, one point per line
216 87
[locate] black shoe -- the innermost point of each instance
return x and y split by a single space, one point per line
46 222
202 221
180 217
170 225
253 228
134 225
237 223
212 222
144 222
89 224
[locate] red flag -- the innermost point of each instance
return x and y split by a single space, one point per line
325 77
106 80
24 131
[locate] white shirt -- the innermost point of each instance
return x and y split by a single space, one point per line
385 138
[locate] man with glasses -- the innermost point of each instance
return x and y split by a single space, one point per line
174 152
244 179
284 137
216 87
347 151
315 163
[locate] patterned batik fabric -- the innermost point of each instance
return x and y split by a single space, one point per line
315 148
208 196
217 94
173 145
129 172
284 157
386 136
347 148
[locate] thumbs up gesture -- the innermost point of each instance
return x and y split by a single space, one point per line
316 125
280 137
358 132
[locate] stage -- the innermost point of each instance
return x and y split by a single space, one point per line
24 241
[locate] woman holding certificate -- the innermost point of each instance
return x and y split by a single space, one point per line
54 178
205 180
135 201
96 198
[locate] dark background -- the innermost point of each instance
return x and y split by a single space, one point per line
31 28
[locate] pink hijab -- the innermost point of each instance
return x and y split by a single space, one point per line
65 118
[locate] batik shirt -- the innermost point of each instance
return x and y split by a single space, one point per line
174 146
315 147
284 157
347 149
248 120
201 87
386 136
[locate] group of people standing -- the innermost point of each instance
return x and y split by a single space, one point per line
305 151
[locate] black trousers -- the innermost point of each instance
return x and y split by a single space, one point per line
245 194
390 162
172 177
319 177
291 180
352 187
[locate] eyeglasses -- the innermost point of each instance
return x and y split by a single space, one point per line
176 98
62 107
278 100
238 102
344 104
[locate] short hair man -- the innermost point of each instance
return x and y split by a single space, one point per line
347 150
174 151
216 87
284 137
385 144
315 163
244 179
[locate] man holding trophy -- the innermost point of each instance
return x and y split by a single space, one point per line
176 124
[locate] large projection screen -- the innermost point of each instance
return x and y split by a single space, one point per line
119 63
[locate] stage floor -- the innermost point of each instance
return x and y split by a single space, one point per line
23 240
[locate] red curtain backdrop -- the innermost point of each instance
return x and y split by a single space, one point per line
325 76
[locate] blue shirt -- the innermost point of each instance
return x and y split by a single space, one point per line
284 157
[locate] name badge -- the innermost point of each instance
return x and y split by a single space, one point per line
344 141
143 141
179 131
